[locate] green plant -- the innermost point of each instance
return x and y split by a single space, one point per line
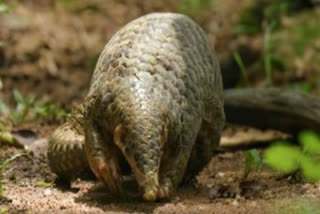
241 65
253 161
274 11
301 87
23 106
287 158
3 210
76 6
300 207
267 55
306 36
3 7
49 112
249 22
252 19
5 135
26 108
3 165
193 6
264 17
44 184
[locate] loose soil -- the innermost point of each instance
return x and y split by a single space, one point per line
31 187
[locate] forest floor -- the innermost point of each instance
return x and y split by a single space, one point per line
49 49
30 187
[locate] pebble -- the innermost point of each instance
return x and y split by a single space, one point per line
221 191
220 175
176 199
253 204
306 186
210 185
47 192
235 203
214 193
251 189
228 201
238 197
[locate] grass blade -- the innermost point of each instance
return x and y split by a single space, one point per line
242 67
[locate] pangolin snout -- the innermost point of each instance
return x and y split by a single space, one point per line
144 160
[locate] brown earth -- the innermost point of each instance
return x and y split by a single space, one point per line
54 45
220 189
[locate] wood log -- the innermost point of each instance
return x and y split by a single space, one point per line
272 108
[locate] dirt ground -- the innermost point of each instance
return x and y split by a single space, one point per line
55 45
49 48
31 187
220 189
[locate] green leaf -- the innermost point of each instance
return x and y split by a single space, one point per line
267 59
44 184
4 109
2 127
249 22
244 29
17 96
241 65
310 169
19 109
310 142
4 8
255 157
301 87
6 137
3 210
5 163
14 117
253 161
193 6
12 158
30 100
283 157
49 111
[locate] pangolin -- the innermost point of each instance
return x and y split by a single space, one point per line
154 108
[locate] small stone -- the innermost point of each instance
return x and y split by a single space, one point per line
176 199
47 192
228 201
306 186
235 203
251 189
221 191
214 193
210 185
238 197
200 207
253 204
220 175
